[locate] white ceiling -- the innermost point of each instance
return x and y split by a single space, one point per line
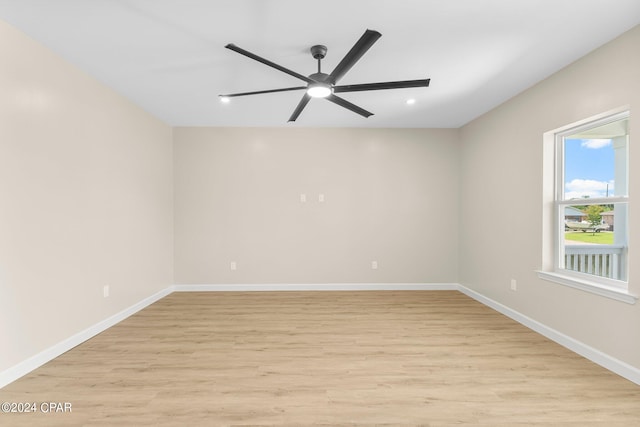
168 56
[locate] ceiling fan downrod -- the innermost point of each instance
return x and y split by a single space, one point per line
318 52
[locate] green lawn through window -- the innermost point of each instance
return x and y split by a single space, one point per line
601 238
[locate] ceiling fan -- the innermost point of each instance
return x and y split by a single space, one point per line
322 85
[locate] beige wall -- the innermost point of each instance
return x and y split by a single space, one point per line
85 200
501 171
390 196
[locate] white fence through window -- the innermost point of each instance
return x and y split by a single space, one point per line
599 260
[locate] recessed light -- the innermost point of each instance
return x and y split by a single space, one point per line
411 101
225 99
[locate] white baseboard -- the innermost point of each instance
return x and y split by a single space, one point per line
611 363
317 287
619 367
23 368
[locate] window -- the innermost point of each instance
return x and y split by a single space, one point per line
591 188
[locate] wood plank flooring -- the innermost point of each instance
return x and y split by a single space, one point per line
385 358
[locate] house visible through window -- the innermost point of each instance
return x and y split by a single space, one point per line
591 200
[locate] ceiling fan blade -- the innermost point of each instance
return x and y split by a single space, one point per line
303 103
286 89
255 57
384 85
360 48
349 106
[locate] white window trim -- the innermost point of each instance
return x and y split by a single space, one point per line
575 281
609 288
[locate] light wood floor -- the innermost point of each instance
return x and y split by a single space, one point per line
323 358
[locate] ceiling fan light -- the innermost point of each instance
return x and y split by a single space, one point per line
319 90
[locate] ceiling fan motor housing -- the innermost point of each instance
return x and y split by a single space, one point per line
321 77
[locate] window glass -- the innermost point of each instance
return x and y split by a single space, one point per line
588 168
592 243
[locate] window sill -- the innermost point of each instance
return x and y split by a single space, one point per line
588 286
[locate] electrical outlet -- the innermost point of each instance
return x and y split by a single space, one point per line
321 198
303 198
233 265
514 285
105 291
374 265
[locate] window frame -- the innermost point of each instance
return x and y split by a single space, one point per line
555 271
